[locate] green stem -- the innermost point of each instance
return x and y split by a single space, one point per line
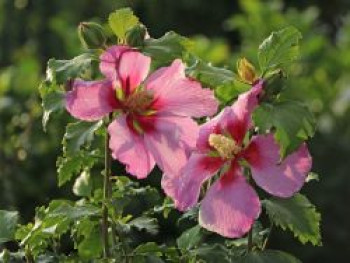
28 255
106 197
250 240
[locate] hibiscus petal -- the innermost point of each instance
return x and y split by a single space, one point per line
209 127
239 121
110 61
235 119
91 100
177 94
230 206
171 141
133 69
279 179
185 188
129 148
159 80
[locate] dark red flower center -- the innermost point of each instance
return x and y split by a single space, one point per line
139 101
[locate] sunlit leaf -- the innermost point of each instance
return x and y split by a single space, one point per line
52 100
74 212
77 134
227 92
69 166
296 214
209 75
91 246
279 49
293 121
60 71
121 21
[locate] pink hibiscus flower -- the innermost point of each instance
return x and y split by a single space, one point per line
154 124
231 205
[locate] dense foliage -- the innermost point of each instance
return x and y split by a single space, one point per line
323 65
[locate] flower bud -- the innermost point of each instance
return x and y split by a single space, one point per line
136 36
246 71
91 35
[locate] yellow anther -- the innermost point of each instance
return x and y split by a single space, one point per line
226 147
119 93
246 71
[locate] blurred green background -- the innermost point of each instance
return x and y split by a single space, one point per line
32 31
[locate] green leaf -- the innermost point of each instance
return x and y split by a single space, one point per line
40 235
165 49
69 166
55 226
209 75
268 256
293 121
77 134
148 253
190 238
296 214
8 223
279 49
165 208
83 184
32 234
148 248
121 21
60 71
85 226
190 215
52 100
212 253
227 92
145 223
91 246
74 212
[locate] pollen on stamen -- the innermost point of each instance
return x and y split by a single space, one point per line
226 147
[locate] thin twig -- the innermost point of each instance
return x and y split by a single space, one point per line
28 255
106 196
250 240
